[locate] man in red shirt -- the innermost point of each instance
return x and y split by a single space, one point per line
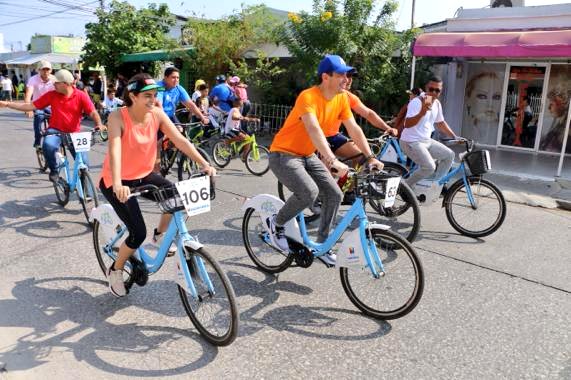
68 105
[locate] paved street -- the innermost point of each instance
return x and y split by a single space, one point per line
495 308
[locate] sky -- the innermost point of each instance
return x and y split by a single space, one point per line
27 17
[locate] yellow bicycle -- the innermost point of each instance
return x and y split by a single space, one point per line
257 159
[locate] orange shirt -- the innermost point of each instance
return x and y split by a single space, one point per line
293 137
138 150
333 129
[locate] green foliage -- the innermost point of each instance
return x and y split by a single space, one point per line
263 75
221 44
362 32
124 29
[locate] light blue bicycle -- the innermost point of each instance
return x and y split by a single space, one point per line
205 291
380 271
474 206
77 179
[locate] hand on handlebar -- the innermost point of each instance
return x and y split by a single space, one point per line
122 193
208 170
338 168
375 164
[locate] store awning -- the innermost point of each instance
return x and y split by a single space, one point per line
544 44
157 55
54 58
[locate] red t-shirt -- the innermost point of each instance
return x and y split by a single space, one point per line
66 112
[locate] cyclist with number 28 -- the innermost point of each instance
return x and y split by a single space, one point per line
68 104
293 159
130 161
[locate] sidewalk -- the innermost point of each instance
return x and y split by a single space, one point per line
533 192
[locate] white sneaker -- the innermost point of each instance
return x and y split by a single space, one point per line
277 234
156 241
329 259
116 284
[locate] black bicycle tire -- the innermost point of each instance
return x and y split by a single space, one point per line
416 295
448 203
186 165
288 259
232 332
85 177
251 152
42 162
308 215
220 162
61 189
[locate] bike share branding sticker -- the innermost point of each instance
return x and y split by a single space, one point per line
81 141
351 257
195 195
391 193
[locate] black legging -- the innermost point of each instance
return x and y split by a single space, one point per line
129 212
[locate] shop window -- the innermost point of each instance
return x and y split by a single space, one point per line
556 108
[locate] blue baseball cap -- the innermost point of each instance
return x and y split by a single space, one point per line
333 63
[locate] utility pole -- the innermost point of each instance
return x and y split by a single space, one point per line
413 63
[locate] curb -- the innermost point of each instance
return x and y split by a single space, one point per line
563 204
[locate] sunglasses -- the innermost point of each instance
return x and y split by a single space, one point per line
435 90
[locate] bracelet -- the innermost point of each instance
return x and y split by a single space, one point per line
370 156
331 161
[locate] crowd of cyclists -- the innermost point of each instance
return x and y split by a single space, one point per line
303 155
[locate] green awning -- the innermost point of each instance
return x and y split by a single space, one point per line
157 55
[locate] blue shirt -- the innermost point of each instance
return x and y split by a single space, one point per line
225 94
171 97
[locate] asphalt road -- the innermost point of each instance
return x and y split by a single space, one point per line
495 308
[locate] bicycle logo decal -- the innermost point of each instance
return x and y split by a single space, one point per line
269 207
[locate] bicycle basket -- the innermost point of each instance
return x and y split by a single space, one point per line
168 199
373 185
478 162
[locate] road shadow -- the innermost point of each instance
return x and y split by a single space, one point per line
294 318
447 237
47 305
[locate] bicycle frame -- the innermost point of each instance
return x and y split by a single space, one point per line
177 231
393 142
238 145
357 210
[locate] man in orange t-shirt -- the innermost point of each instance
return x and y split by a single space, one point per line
293 159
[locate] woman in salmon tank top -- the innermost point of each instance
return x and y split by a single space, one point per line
129 163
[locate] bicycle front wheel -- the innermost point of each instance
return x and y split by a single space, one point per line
258 245
42 163
188 168
398 291
88 197
258 160
61 188
481 217
214 312
221 153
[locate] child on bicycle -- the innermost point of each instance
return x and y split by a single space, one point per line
233 129
130 161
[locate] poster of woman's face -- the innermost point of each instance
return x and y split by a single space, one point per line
482 102
556 108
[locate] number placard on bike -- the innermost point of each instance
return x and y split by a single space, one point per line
391 192
81 141
195 195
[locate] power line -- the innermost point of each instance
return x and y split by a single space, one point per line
47 14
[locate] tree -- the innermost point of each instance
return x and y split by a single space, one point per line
363 36
220 44
124 29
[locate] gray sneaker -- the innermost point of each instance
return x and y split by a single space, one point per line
277 234
156 242
116 284
329 259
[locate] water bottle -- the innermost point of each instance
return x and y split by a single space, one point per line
59 159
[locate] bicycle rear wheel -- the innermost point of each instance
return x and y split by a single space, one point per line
258 160
221 153
482 219
88 197
258 245
214 312
187 168
397 292
42 163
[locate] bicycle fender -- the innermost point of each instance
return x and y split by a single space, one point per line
268 205
379 226
107 218
193 244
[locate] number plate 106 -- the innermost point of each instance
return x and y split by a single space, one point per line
195 195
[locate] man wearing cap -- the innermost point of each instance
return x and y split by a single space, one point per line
67 107
293 159
38 85
174 94
223 91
